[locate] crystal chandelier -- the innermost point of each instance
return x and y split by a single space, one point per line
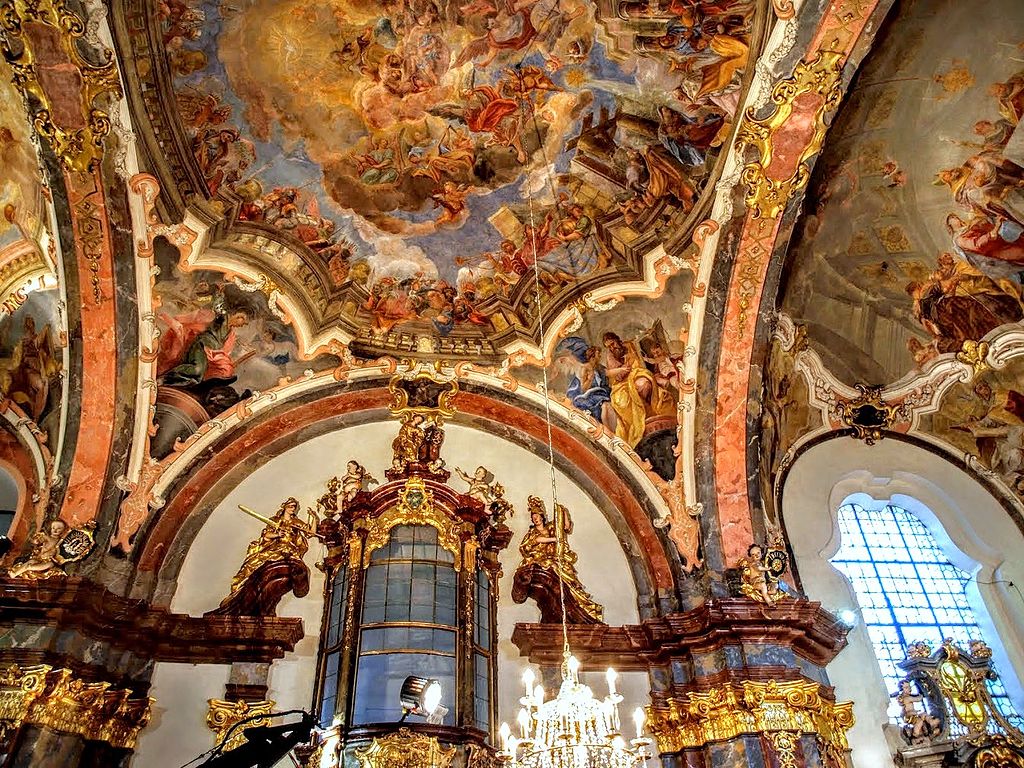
574 729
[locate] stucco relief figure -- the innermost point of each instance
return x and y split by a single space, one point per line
548 561
53 548
273 565
636 395
921 725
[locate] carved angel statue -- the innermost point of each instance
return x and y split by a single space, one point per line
544 548
481 485
355 480
921 725
760 575
51 549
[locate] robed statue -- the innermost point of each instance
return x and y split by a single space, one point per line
273 565
548 560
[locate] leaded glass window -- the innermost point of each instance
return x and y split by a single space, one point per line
906 587
408 624
335 621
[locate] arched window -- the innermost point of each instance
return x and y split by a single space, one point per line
907 589
9 497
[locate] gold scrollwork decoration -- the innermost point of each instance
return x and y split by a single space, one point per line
55 699
405 749
223 715
424 393
975 355
731 710
802 102
999 754
784 743
29 25
869 415
415 507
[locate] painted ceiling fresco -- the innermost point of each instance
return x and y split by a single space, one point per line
32 334
430 160
622 369
911 242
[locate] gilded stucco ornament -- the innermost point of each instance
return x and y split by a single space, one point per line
405 749
223 715
750 708
55 699
975 355
802 102
415 507
869 414
41 43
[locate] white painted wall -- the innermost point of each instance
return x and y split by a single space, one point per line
970 526
219 548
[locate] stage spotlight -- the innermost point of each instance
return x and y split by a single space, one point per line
420 696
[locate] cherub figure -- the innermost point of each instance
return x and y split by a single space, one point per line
921 725
43 561
481 485
759 583
355 479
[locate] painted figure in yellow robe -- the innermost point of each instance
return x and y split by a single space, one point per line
636 394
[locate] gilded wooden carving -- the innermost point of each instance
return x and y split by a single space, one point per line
547 572
405 749
223 715
415 507
45 697
732 709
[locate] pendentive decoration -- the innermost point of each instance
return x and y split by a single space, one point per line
949 713
548 567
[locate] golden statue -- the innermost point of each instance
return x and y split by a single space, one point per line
759 574
545 551
52 549
284 539
407 444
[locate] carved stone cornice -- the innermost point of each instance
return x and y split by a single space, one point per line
805 627
56 699
148 631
